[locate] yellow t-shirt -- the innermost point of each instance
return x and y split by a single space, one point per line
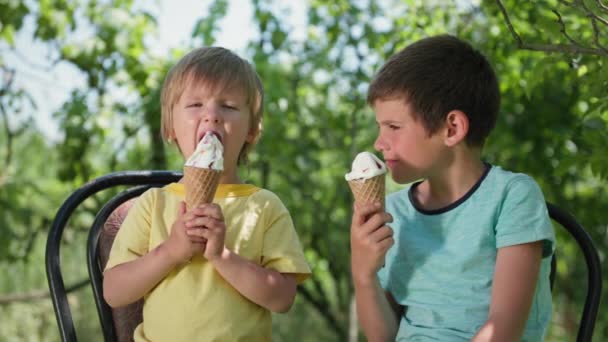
193 302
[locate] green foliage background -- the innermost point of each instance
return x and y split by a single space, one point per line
552 126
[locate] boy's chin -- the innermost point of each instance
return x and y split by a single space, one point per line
402 179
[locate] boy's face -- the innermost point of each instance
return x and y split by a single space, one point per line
226 113
409 151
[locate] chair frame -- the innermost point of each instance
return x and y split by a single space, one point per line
143 180
53 268
594 270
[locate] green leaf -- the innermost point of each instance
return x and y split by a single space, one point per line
8 34
595 123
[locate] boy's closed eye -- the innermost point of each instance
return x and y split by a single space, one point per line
230 106
194 104
390 125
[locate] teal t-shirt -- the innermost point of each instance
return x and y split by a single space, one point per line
442 263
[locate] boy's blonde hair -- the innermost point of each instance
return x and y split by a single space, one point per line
221 70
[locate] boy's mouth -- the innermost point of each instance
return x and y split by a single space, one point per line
202 135
390 163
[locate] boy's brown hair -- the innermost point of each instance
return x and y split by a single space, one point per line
439 74
220 69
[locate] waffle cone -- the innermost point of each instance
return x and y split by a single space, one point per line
368 190
200 184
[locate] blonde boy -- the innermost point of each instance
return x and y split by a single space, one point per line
213 273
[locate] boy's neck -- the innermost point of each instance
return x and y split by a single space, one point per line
452 181
230 177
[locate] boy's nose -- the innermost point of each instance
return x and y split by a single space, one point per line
379 144
212 115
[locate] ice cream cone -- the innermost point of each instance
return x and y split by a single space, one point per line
368 190
201 184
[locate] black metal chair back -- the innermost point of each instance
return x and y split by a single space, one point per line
145 180
594 270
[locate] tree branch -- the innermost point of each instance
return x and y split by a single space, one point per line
323 310
562 29
37 294
9 76
9 146
594 19
550 48
515 35
596 36
590 13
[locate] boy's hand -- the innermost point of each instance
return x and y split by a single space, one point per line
208 224
181 246
370 239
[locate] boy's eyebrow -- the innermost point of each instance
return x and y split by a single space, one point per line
193 96
387 122
230 98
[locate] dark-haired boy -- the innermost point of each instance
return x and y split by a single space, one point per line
469 245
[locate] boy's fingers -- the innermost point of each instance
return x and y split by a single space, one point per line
215 211
376 221
201 232
200 245
386 243
206 233
188 216
196 232
198 239
381 234
209 209
363 211
181 209
202 221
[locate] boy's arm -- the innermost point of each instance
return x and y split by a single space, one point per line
377 311
370 240
126 283
266 287
514 284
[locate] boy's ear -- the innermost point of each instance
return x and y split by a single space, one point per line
253 134
172 137
456 127
250 137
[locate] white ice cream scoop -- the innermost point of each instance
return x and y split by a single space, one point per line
365 166
209 153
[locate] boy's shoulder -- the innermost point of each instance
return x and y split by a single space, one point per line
507 176
266 196
152 194
497 184
264 201
506 186
500 178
